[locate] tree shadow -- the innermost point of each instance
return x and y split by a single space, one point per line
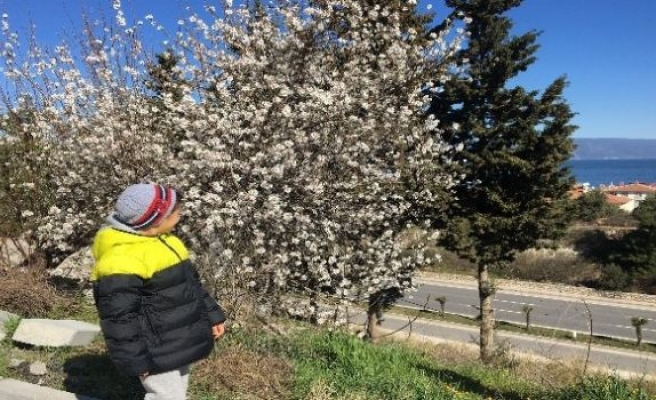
95 375
596 246
469 384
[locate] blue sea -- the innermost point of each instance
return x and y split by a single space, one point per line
616 172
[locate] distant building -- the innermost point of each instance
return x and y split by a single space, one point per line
637 191
625 197
622 202
634 192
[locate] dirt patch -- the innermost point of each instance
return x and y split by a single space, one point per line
239 371
26 292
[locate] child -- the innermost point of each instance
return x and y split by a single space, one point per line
155 315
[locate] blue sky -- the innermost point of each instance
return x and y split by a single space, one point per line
606 48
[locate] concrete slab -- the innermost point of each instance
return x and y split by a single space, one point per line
12 389
55 333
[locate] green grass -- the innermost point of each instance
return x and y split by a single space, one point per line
80 309
349 366
9 328
596 388
4 357
325 365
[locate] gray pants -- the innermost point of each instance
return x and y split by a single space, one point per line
171 385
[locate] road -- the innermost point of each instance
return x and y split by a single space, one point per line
553 311
623 362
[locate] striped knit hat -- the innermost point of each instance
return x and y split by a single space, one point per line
144 205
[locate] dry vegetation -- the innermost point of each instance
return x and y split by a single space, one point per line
26 293
240 370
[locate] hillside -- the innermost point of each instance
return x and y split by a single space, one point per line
614 148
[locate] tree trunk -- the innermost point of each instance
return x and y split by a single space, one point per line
314 307
372 319
486 295
375 314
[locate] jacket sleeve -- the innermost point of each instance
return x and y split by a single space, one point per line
118 300
214 310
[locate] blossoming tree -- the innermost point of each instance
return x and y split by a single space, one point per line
300 151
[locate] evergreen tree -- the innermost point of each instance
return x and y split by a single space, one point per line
168 87
638 248
514 143
164 78
592 206
412 22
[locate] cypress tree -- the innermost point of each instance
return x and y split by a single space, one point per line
512 143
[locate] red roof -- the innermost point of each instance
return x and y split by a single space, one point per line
617 200
636 187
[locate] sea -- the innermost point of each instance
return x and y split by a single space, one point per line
613 172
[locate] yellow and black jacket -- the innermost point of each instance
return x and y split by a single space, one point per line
154 312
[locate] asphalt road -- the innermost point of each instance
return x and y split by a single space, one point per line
622 362
567 313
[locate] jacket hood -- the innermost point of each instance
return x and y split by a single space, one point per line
114 222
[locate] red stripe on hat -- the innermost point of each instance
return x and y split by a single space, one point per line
153 207
164 204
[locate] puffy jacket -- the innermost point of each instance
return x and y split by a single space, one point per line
154 313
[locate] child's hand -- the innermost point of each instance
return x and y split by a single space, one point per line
218 330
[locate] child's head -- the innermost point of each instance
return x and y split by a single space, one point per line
148 208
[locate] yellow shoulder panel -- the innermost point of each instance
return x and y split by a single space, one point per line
119 252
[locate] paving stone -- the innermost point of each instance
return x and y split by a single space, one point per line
11 389
55 333
38 368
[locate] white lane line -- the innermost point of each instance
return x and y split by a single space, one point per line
514 302
509 311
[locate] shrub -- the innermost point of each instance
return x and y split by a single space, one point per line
561 265
613 277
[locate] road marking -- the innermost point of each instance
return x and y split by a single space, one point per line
509 311
514 302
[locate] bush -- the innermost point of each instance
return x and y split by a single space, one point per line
613 277
451 262
548 265
622 219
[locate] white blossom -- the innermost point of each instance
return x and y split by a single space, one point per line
291 153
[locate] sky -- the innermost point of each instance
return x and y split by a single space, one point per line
605 48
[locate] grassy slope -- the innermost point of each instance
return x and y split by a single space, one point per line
317 364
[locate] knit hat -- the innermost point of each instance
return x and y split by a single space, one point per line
143 205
